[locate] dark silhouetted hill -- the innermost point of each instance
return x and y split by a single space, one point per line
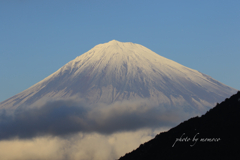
217 136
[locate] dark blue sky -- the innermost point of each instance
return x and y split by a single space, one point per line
39 37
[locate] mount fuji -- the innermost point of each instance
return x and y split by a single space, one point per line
116 71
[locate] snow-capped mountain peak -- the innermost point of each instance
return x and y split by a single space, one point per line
117 71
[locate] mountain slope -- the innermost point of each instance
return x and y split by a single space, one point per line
214 135
117 71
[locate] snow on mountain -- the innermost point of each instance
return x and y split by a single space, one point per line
117 71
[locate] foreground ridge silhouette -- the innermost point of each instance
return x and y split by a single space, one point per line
214 135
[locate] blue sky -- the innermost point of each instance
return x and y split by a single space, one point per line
39 37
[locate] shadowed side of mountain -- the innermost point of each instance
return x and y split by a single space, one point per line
214 135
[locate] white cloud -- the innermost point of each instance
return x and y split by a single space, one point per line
80 146
67 129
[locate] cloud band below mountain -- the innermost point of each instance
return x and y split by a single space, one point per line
63 117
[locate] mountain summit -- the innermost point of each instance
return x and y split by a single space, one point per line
117 71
